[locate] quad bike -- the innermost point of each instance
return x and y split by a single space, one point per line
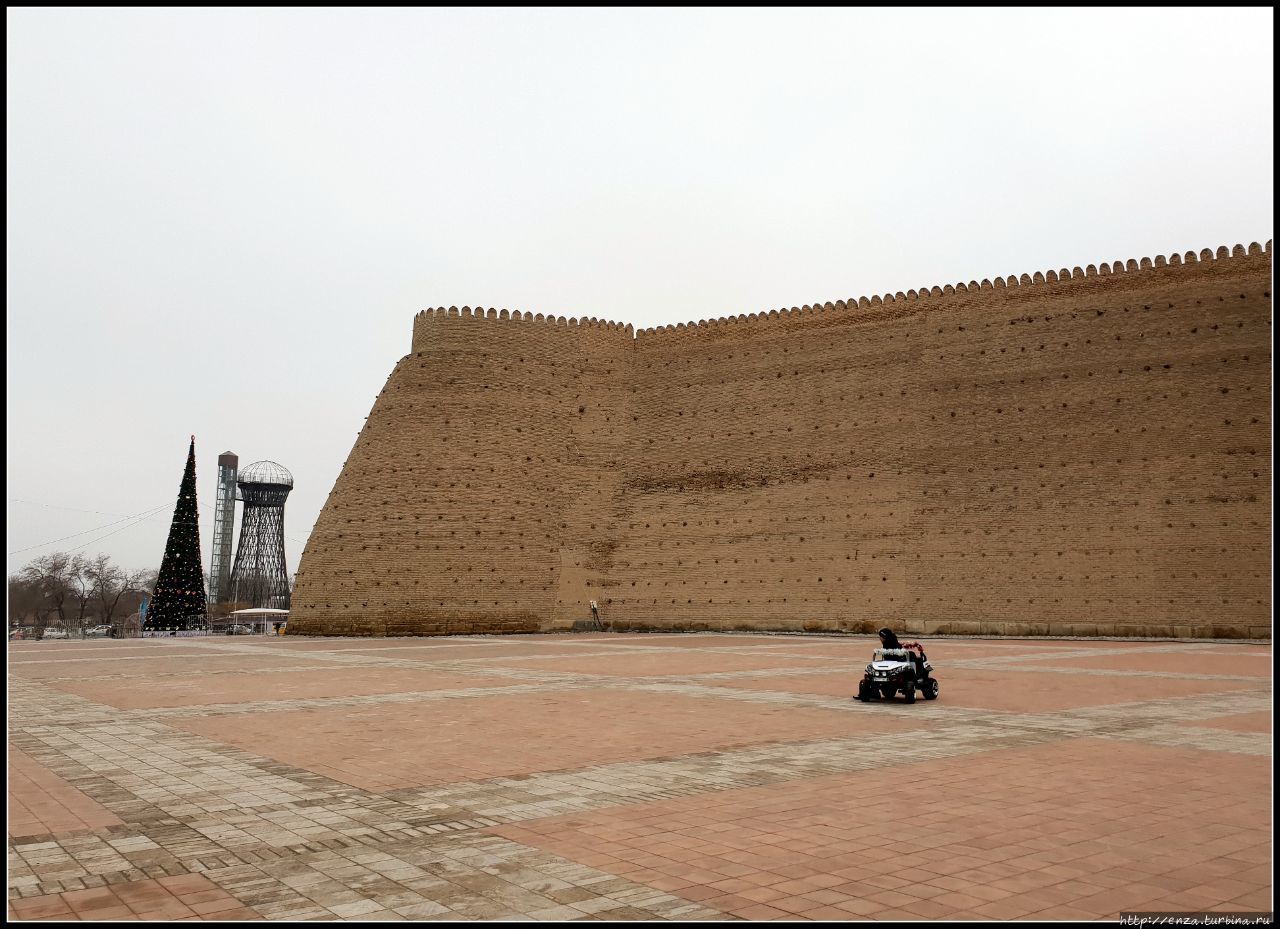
894 669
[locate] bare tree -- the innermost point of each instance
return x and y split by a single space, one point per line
68 590
111 585
28 605
50 576
81 593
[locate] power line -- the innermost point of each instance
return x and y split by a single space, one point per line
152 515
136 518
145 514
54 506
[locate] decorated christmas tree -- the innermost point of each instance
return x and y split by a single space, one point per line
178 601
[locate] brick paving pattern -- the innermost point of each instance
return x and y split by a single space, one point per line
633 777
41 802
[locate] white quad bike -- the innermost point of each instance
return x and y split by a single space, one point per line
894 669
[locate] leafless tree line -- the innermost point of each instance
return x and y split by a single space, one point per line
75 592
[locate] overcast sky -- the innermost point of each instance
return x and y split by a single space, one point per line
221 222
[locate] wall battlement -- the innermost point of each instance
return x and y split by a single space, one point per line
1081 451
930 295
1203 261
517 316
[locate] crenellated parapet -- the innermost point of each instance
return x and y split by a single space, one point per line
1064 281
427 322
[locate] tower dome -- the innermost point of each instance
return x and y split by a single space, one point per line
265 472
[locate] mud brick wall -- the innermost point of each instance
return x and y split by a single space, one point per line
468 501
1080 452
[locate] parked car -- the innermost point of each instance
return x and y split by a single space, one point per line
55 634
99 630
239 629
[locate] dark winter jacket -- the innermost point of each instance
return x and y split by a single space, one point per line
888 639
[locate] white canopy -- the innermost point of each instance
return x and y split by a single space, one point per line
258 612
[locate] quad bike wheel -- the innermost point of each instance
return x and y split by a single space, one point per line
909 693
863 691
931 689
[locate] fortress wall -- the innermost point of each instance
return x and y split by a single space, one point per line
1082 452
451 513
1086 456
1121 486
751 496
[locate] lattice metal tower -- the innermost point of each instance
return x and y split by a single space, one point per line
260 578
224 517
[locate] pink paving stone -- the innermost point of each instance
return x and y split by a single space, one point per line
424 649
215 895
1048 691
1221 660
760 911
354 643
825 683
457 641
959 647
338 681
691 640
213 906
646 664
42 803
160 664
95 898
48 906
167 911
1242 722
392 746
472 652
186 884
1100 644
859 649
969 809
41 652
141 895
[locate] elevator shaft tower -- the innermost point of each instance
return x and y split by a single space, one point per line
224 515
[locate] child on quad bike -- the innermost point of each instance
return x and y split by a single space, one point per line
895 667
889 640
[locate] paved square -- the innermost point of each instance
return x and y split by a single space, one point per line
243 688
633 777
476 738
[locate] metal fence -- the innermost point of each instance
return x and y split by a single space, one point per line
57 634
